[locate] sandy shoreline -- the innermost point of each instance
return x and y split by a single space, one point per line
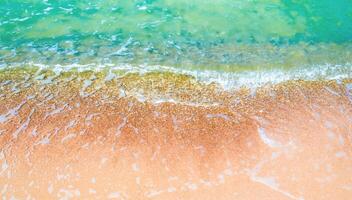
72 138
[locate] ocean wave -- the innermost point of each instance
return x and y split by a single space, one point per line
225 80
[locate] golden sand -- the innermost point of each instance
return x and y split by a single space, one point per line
80 136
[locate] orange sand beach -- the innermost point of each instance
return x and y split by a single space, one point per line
166 136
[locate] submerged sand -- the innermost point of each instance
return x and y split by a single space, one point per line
81 135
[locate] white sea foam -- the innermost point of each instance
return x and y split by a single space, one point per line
227 80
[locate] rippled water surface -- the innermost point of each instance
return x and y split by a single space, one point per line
176 99
193 34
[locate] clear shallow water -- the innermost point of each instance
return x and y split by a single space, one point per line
219 35
85 78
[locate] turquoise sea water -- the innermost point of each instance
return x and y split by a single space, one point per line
223 35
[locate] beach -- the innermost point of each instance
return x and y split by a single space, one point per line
64 138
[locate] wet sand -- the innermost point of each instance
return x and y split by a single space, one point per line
83 137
